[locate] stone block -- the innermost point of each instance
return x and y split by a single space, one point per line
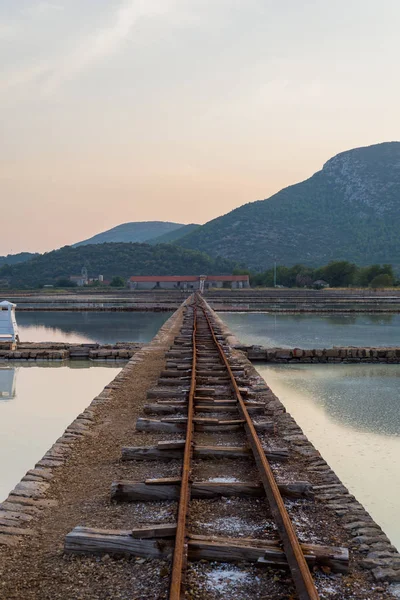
298 353
386 574
332 352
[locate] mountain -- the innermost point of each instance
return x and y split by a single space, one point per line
174 235
350 210
13 259
140 231
113 259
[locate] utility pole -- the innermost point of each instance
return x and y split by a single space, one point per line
275 274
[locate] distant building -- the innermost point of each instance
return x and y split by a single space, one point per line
187 282
79 280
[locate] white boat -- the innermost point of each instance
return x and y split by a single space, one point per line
8 323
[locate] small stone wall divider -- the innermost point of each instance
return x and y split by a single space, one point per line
152 308
348 354
51 351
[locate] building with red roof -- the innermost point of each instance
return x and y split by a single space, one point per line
187 282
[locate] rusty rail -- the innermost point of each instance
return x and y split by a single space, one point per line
299 569
181 542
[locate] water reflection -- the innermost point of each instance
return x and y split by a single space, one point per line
7 383
314 331
42 402
89 327
351 414
365 397
8 374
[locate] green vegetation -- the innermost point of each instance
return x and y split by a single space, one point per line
366 275
349 211
175 235
336 274
64 282
140 231
112 260
382 281
118 282
14 259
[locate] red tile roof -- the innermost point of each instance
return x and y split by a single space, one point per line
184 278
160 278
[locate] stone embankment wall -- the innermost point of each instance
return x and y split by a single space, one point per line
52 351
323 355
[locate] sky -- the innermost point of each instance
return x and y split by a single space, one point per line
180 110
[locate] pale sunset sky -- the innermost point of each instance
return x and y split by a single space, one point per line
180 110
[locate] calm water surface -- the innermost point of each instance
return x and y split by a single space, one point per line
89 327
351 413
37 403
314 331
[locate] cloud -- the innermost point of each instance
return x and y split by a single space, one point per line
105 41
31 74
8 31
41 8
96 46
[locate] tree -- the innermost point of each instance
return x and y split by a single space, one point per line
117 281
381 281
126 259
265 279
365 275
339 273
303 280
64 282
239 271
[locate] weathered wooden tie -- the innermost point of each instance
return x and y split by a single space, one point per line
173 450
178 424
169 489
86 540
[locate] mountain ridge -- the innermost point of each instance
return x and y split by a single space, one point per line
13 259
134 231
349 210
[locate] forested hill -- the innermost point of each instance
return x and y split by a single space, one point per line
111 260
138 231
173 236
13 259
348 211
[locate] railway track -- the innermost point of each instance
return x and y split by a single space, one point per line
206 347
202 399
